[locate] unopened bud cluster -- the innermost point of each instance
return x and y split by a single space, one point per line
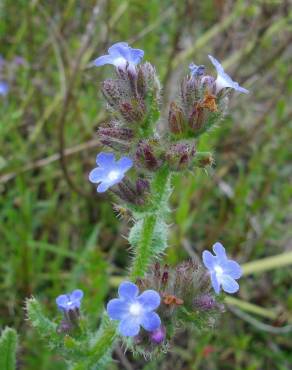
186 299
133 98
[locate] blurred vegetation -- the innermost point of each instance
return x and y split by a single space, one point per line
58 234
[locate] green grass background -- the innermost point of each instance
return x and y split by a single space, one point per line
56 233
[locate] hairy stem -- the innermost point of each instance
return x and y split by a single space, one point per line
144 247
160 189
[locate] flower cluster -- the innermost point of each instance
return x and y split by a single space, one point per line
133 98
202 102
181 295
136 167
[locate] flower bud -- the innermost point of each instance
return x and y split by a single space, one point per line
117 138
110 91
205 302
142 186
64 327
157 336
197 118
127 192
208 84
147 81
132 111
116 132
190 94
203 159
179 156
176 119
146 155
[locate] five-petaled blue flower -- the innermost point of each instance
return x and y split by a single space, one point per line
120 55
133 310
109 172
71 301
196 71
223 79
4 88
223 271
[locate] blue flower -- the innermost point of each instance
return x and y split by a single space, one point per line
196 71
71 301
109 172
223 79
222 270
4 88
119 55
133 310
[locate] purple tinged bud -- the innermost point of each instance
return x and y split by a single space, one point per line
111 92
116 137
157 272
179 156
157 336
65 327
164 278
133 111
142 186
176 119
196 119
208 83
147 81
146 156
127 192
205 302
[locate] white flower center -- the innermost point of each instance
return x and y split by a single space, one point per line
120 62
135 309
113 175
218 270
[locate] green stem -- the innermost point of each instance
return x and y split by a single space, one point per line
144 248
160 189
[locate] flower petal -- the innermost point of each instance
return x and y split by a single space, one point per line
103 187
150 321
196 70
4 88
149 299
104 59
216 64
62 300
129 327
209 260
125 163
105 159
128 290
117 309
233 269
76 295
215 283
135 55
118 49
223 79
96 175
220 252
242 89
229 285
